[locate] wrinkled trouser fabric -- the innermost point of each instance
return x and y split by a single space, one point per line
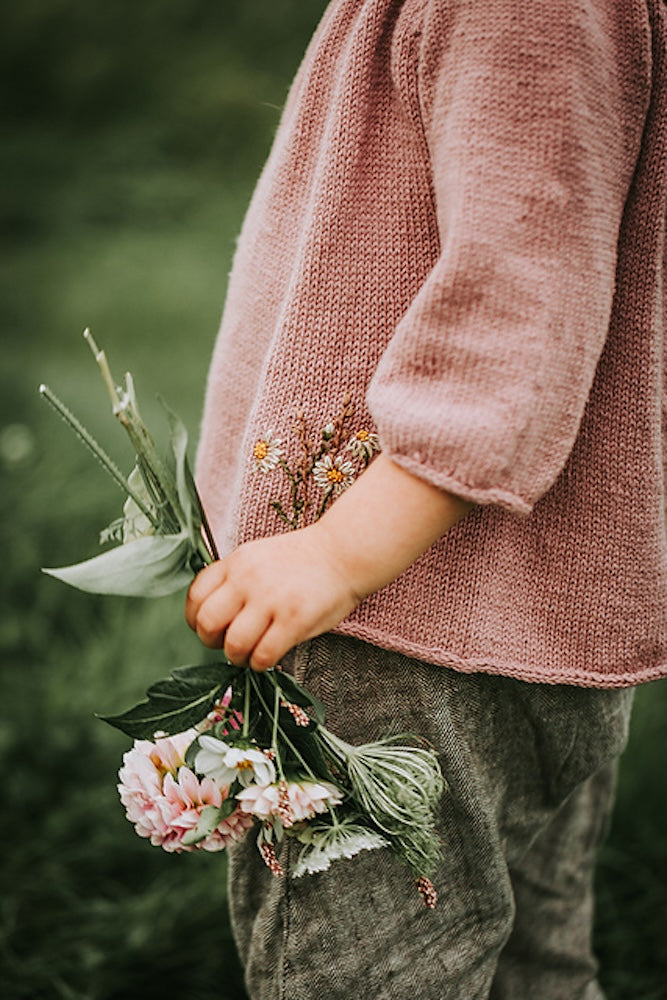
530 769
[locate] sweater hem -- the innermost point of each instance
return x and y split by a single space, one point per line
447 481
590 678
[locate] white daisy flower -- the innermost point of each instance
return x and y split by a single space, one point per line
325 844
363 443
267 452
333 473
225 764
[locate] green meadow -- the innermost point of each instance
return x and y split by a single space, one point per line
131 139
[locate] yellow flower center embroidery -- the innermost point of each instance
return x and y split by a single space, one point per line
261 450
335 476
362 435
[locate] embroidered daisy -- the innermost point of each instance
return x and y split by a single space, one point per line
266 452
225 764
363 443
333 473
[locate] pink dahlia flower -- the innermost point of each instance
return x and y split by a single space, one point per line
164 799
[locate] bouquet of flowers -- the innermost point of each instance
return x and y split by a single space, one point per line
220 749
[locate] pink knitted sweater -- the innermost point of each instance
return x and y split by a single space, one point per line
461 225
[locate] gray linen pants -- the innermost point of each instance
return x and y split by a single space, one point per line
531 772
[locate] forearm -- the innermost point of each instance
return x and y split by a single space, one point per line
273 593
384 522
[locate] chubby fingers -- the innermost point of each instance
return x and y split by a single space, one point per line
217 611
212 605
208 580
245 634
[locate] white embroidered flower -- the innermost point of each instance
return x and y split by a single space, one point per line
325 844
363 443
267 452
328 432
225 764
333 473
305 799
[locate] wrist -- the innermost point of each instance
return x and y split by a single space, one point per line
344 556
382 523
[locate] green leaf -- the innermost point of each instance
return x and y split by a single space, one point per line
177 703
185 487
147 567
209 818
197 673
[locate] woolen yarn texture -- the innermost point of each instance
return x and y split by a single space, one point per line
461 223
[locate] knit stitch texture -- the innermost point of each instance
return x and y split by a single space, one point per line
462 224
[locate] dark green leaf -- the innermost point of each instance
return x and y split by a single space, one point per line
198 672
308 745
174 705
305 744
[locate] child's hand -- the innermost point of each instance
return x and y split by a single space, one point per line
269 595
274 593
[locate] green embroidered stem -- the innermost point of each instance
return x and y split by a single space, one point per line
323 505
297 506
280 511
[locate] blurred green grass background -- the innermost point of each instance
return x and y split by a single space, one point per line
131 138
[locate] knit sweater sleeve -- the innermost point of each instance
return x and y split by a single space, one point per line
532 118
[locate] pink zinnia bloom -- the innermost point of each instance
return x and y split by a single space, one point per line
304 799
164 799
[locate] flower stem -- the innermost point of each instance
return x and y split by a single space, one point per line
212 548
246 706
127 412
98 451
279 729
103 364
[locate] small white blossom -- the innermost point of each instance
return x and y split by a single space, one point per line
328 432
304 799
333 473
267 452
329 843
363 444
225 764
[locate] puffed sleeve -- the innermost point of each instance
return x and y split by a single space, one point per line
532 114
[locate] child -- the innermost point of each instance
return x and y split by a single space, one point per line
453 258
